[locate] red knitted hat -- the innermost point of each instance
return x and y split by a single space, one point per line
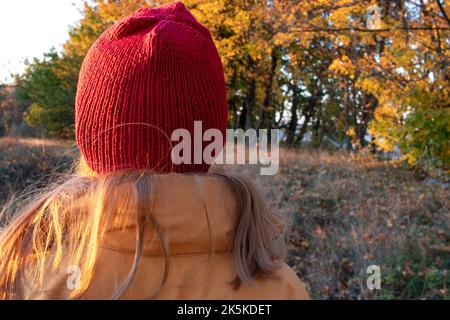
154 71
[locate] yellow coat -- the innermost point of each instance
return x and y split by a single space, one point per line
197 212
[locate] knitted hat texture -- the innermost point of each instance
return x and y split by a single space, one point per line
152 72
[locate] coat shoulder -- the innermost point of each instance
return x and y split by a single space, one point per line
283 285
293 287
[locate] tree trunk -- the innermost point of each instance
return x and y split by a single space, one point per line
348 142
307 119
243 115
250 98
292 126
250 103
232 100
268 90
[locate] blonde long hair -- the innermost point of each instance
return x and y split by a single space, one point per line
70 219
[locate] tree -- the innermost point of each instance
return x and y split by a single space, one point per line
50 83
314 69
11 109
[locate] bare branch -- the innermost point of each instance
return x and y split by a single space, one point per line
441 8
351 29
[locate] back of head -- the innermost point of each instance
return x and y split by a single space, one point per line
151 73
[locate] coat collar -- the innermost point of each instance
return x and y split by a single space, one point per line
195 212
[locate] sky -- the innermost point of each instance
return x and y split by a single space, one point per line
29 28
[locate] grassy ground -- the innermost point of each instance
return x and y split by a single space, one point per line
26 161
353 212
348 212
